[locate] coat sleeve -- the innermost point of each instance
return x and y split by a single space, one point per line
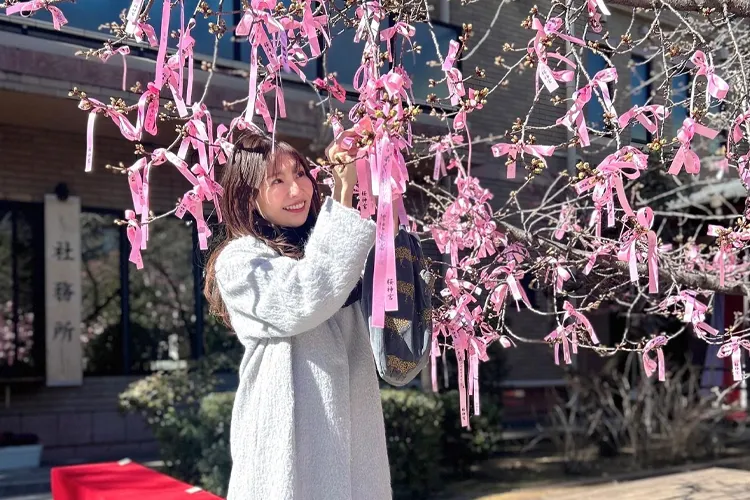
268 295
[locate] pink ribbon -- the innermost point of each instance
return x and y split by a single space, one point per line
560 273
311 25
134 237
537 46
658 112
123 51
717 87
163 42
144 30
558 337
734 348
685 155
737 132
135 181
191 202
512 150
594 16
454 78
728 240
445 144
28 8
629 251
695 312
401 28
571 312
649 365
574 119
598 252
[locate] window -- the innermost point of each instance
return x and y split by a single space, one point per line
424 64
101 290
680 100
161 299
21 291
594 109
641 90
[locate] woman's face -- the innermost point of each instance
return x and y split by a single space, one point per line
285 195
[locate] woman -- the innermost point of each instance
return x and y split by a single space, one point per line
307 421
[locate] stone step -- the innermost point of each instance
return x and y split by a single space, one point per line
14 483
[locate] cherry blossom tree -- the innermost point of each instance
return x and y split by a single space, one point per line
625 229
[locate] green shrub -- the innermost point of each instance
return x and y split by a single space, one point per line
413 426
462 447
215 463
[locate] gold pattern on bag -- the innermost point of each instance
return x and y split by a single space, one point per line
397 325
403 253
405 288
399 365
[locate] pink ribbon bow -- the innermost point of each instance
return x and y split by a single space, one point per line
583 321
558 271
574 119
311 25
737 132
695 312
629 251
123 51
628 162
717 87
728 241
658 112
135 239
537 46
512 283
649 365
445 144
560 336
734 348
512 150
454 78
28 8
685 155
594 16
598 252
401 28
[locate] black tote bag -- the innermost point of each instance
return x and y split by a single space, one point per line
402 348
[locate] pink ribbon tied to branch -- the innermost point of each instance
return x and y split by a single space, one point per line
401 28
628 162
685 155
574 119
311 25
694 313
454 78
737 132
630 252
559 272
594 16
134 237
728 240
108 52
446 144
538 46
566 222
734 348
512 284
580 320
512 150
716 87
600 250
649 365
658 113
559 336
28 8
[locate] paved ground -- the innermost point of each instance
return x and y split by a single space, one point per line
707 484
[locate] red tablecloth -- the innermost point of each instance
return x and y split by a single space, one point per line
113 481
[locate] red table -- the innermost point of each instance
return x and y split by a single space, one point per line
124 480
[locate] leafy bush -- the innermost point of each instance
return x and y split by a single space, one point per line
413 426
462 447
215 461
191 422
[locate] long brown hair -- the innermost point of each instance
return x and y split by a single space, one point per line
241 177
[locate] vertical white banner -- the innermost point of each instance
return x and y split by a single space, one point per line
62 259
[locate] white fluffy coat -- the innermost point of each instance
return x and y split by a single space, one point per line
307 422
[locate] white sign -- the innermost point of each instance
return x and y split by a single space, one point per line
62 260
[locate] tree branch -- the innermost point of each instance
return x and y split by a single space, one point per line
737 7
